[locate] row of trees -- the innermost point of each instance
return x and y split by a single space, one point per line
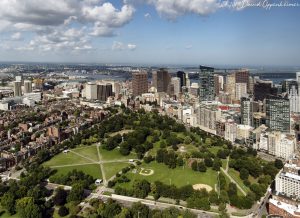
113 209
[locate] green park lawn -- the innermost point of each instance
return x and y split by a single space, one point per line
112 169
66 159
90 169
179 176
114 155
89 152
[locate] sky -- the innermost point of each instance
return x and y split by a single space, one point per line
183 32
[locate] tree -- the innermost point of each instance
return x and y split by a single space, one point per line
244 174
139 210
27 208
208 162
111 209
195 166
232 189
8 202
60 197
180 161
141 188
201 167
188 140
217 164
278 164
63 211
76 193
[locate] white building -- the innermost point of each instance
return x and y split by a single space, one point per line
277 144
286 148
27 86
243 131
287 181
175 81
207 115
240 90
35 96
294 97
91 91
298 77
230 130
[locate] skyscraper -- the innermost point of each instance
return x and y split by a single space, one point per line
175 81
139 83
242 76
278 113
298 77
161 80
206 84
17 88
181 75
262 89
27 86
104 91
294 97
247 111
230 85
240 90
91 91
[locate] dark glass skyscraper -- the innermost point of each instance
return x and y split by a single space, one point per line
278 113
182 77
161 80
206 84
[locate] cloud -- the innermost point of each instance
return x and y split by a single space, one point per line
61 24
16 36
147 16
131 47
119 46
172 9
188 46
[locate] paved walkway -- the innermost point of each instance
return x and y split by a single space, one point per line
101 165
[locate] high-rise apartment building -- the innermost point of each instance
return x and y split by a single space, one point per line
161 80
139 83
278 113
27 86
17 86
240 90
230 85
247 111
206 84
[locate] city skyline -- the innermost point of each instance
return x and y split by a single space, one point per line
135 32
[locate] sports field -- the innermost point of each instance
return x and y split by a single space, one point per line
179 176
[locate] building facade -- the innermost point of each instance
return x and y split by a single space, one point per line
139 83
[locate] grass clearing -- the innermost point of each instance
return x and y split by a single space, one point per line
90 169
112 169
66 159
114 155
89 152
179 176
